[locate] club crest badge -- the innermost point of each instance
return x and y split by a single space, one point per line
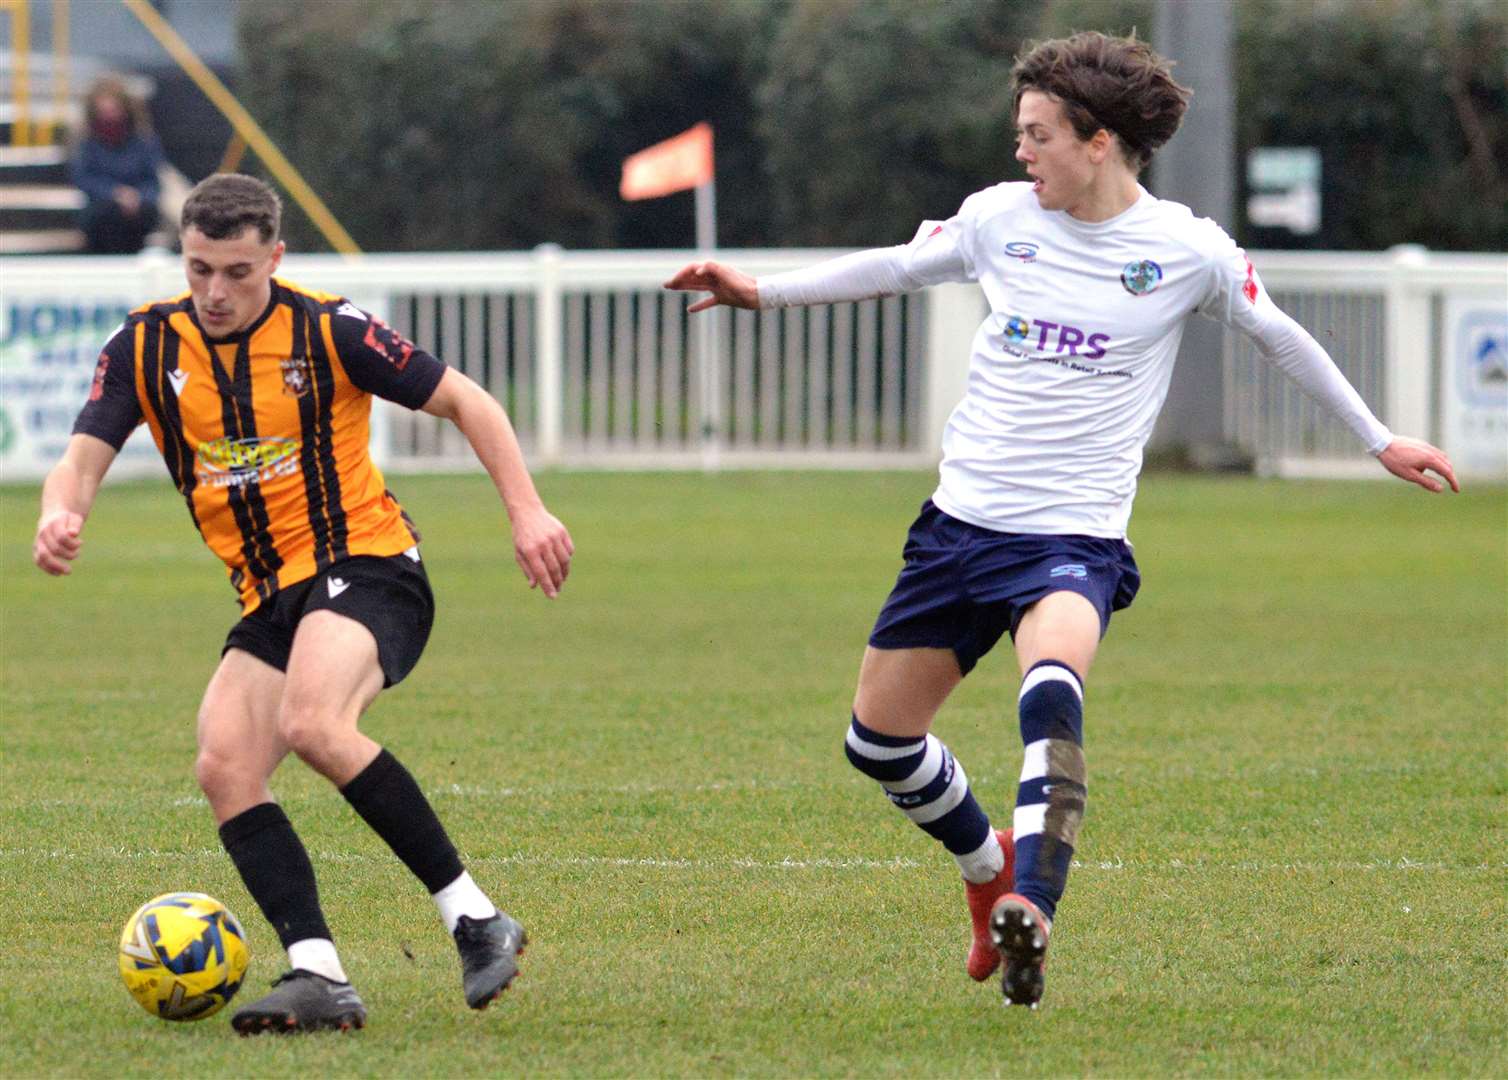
1141 277
296 376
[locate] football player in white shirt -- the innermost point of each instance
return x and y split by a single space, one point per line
1090 280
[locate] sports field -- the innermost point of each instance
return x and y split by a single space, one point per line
1294 860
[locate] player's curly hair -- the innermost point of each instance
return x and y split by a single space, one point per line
1118 84
222 206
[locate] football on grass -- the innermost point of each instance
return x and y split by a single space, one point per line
183 956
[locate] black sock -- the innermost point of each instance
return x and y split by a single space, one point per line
277 872
388 799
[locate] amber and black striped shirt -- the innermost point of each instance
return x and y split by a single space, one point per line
266 432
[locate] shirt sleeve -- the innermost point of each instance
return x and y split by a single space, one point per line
940 251
1237 298
382 361
113 411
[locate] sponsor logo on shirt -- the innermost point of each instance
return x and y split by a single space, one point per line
228 462
1058 337
1141 277
1023 250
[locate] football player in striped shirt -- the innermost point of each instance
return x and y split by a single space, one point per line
258 393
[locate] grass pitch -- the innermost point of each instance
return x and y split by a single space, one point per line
1294 860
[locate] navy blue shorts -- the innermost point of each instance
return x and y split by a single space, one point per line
963 586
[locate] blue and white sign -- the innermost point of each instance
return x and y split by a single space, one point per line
48 351
1474 403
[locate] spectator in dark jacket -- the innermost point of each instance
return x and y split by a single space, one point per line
116 167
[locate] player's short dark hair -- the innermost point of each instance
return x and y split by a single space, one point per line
1118 84
223 205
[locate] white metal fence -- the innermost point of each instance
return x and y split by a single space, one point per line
1415 332
599 366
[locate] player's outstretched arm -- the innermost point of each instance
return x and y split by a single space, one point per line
728 286
541 543
67 495
1409 458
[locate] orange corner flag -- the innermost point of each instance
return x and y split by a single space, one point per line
676 164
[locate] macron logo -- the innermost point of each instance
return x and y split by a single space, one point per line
336 586
351 311
177 378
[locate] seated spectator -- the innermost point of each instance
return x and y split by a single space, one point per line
116 167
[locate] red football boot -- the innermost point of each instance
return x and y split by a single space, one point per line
984 957
1019 931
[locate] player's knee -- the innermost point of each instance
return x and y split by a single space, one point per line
219 775
306 730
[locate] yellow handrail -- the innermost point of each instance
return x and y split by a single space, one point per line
20 39
62 74
245 126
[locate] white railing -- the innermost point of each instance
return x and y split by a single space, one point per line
599 366
1408 327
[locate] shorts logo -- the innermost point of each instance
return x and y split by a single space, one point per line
296 376
1023 250
1141 277
1073 570
336 586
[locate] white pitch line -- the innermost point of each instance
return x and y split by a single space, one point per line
1403 864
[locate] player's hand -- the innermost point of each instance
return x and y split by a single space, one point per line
727 285
1408 458
543 549
57 543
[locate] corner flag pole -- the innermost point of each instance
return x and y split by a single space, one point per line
706 246
682 163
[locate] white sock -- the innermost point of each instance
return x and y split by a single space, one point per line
318 955
983 863
462 897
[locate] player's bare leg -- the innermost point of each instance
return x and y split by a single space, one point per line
1055 644
900 690
239 748
333 675
899 694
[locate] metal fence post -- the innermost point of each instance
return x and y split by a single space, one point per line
953 314
547 354
1409 360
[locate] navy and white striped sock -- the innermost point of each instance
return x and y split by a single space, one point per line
1054 782
924 780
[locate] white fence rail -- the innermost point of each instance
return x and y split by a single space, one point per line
599 366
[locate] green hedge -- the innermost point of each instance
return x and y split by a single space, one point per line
472 124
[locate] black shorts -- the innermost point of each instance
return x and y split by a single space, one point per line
390 596
964 586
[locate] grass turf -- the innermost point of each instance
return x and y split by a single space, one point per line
1294 860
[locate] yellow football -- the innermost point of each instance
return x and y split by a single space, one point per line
183 956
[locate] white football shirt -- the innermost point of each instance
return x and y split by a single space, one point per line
1071 366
